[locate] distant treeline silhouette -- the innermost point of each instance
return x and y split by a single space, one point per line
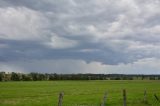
14 76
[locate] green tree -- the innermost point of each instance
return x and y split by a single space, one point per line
15 76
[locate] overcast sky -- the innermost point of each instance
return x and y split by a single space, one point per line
80 36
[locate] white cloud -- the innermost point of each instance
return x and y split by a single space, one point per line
21 24
57 42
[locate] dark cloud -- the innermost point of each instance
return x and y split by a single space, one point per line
108 32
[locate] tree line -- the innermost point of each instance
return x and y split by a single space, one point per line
14 76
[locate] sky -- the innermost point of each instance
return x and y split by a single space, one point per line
80 36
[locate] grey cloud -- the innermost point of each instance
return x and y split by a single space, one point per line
143 66
29 50
109 32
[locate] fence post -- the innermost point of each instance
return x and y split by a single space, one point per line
124 97
104 99
156 97
145 96
60 98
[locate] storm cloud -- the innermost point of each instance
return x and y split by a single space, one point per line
79 36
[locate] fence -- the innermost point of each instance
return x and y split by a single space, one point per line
104 100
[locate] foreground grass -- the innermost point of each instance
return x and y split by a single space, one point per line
77 93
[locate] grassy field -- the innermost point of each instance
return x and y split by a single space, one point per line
77 93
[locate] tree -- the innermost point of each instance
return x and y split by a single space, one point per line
15 76
51 77
34 76
26 77
1 76
41 77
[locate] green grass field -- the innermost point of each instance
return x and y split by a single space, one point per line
77 93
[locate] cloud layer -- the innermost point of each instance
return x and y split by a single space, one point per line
47 33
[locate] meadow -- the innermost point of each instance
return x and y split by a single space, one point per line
78 93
